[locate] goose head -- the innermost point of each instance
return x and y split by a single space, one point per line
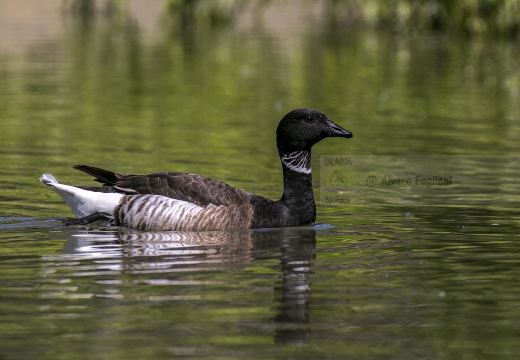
300 129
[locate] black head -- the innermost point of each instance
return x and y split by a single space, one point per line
300 129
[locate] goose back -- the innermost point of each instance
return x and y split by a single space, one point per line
192 188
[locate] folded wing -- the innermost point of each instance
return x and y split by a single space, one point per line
193 188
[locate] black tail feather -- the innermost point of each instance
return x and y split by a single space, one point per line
103 176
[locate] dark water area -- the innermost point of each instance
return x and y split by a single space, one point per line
415 253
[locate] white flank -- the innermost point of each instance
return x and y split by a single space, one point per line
159 213
83 202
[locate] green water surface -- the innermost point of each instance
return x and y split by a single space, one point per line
388 272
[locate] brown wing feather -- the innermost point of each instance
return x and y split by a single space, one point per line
177 185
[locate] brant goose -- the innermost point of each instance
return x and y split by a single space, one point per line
188 202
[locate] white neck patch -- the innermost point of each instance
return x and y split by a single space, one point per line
298 161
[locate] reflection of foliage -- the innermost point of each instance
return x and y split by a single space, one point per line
468 16
88 9
472 17
214 12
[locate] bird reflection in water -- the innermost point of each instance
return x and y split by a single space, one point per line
123 251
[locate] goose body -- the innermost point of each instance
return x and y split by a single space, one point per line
188 202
